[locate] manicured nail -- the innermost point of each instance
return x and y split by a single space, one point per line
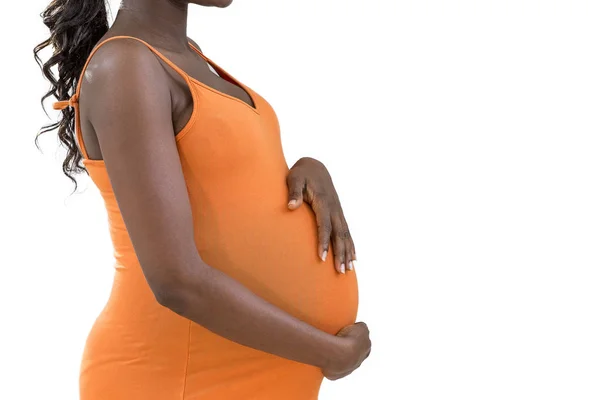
350 265
343 269
324 255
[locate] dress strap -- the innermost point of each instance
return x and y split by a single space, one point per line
59 105
73 101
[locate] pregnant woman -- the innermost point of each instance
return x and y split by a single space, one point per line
234 274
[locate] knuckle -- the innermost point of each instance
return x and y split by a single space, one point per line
325 227
319 200
343 234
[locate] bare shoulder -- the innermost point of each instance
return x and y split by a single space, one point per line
116 84
117 76
120 59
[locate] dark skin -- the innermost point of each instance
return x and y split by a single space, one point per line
309 181
131 125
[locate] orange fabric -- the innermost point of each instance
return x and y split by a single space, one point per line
235 171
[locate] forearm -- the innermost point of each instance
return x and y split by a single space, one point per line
218 302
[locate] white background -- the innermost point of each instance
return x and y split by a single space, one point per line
463 139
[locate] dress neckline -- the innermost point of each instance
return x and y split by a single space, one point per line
73 101
230 78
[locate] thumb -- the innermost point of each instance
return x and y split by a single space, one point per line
295 191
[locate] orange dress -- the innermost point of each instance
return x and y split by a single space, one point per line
138 349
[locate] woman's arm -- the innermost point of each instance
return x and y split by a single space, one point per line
127 99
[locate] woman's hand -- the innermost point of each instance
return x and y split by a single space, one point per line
309 181
357 345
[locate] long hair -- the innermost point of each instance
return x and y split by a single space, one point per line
75 28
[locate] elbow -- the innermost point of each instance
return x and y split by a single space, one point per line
181 290
171 296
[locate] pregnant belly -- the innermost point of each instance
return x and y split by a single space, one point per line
273 252
142 349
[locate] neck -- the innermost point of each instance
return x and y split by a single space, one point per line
161 22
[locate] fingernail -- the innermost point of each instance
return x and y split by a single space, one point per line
350 265
343 269
292 203
324 255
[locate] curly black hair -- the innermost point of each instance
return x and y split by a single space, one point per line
75 28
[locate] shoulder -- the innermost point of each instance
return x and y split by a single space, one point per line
122 59
195 44
117 80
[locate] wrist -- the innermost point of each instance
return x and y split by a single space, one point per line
336 354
